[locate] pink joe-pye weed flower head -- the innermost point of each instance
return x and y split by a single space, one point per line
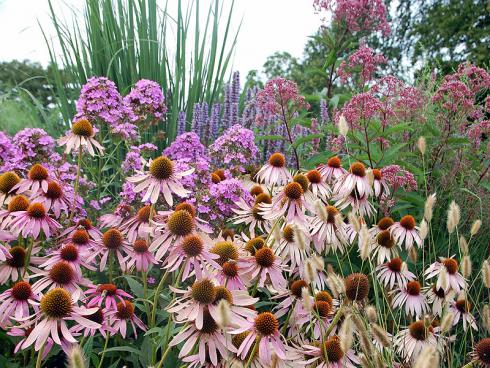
161 178
81 136
55 309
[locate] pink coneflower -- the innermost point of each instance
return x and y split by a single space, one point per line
32 221
15 302
406 232
140 256
81 239
82 224
317 186
265 268
439 299
24 333
251 215
121 213
384 247
383 224
328 230
57 307
292 250
265 329
105 295
201 225
321 314
410 342
55 199
332 170
81 136
394 273
8 186
14 266
410 295
208 338
178 225
123 314
329 356
137 226
60 275
37 180
230 273
454 280
99 317
162 177
461 310
292 300
112 241
481 352
17 203
358 204
380 185
290 203
274 172
240 304
71 254
354 180
192 251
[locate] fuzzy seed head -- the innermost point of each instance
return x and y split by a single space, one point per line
82 128
463 245
475 227
18 203
310 271
343 126
447 322
421 145
371 314
412 253
277 160
356 286
485 271
429 207
56 303
466 266
224 313
346 334
180 223
424 229
380 335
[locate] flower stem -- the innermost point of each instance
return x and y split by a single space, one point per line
155 299
28 255
77 184
110 266
40 357
103 351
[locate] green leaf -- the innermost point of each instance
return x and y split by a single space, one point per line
125 348
306 138
135 286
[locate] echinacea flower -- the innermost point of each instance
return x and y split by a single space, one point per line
394 273
112 241
83 224
317 186
384 247
291 203
209 339
332 170
121 213
137 226
405 232
81 239
410 296
14 267
439 299
274 172
358 204
410 342
265 329
24 333
192 251
71 254
81 136
99 317
8 181
122 315
330 355
56 308
14 302
356 287
452 280
291 249
481 352
178 224
328 230
56 199
380 185
251 215
230 273
105 295
162 177
17 203
31 221
292 303
60 275
355 180
383 224
140 256
37 180
264 267
461 309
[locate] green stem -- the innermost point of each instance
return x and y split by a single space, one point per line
40 357
155 299
77 184
103 351
110 266
28 255
252 354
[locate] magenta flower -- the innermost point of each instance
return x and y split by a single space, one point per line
15 302
32 221
121 316
105 295
140 256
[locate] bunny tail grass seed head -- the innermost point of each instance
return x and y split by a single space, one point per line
364 242
486 317
343 126
485 274
346 334
299 236
75 358
318 262
428 358
422 145
424 229
321 210
370 177
307 299
475 227
310 271
447 322
223 316
466 266
463 245
354 221
429 207
371 314
380 335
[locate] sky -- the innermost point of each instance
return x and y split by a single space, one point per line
268 26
